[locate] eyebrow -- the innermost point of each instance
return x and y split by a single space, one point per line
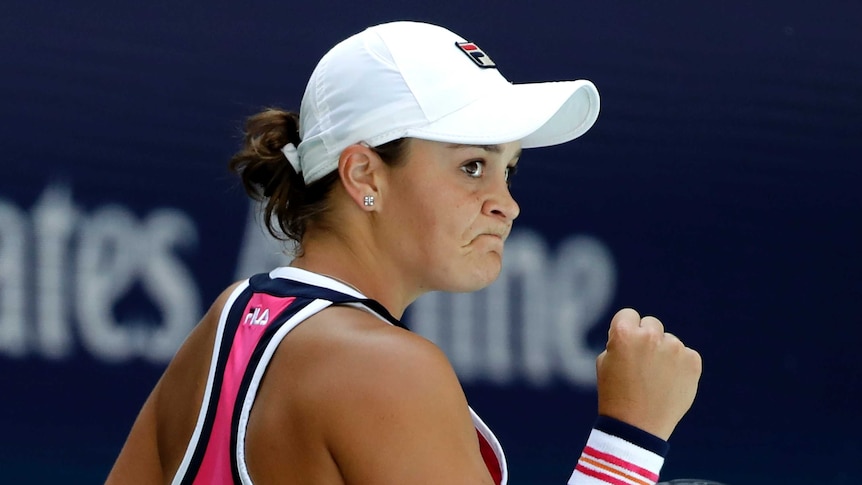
497 149
487 148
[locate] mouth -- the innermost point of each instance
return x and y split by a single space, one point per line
493 235
501 233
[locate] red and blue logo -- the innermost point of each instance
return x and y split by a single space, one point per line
476 54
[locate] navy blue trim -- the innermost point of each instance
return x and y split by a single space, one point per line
633 435
234 317
262 283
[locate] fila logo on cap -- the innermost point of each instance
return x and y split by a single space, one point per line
474 52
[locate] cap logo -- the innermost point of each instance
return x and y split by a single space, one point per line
476 54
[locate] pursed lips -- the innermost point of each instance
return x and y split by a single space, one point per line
501 233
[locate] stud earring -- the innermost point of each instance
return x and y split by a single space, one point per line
368 200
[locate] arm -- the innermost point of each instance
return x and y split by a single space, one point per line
647 380
410 424
139 460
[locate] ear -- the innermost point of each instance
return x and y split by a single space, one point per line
361 171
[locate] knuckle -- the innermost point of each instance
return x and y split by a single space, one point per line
652 323
619 332
625 318
673 340
654 334
627 315
696 359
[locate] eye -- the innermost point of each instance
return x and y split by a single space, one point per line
474 168
510 172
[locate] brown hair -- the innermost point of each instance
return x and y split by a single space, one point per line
269 178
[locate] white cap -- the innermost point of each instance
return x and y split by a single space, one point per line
409 79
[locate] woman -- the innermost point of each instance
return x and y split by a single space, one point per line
393 181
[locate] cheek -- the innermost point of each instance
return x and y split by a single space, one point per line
442 213
455 220
465 214
416 228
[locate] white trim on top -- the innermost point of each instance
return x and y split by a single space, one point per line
316 279
494 442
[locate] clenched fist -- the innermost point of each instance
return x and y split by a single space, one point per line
646 376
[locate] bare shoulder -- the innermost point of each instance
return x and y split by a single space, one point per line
359 345
380 392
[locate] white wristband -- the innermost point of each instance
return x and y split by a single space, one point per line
608 459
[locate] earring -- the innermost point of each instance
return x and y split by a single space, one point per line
368 200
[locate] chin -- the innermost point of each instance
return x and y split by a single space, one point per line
467 280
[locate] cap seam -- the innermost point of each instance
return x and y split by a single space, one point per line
320 100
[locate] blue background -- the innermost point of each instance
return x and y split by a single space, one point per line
723 174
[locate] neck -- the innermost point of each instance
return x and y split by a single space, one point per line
357 266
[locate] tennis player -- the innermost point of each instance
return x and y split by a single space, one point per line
393 180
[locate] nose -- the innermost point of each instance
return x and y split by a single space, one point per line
502 205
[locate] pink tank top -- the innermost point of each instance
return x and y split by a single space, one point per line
257 316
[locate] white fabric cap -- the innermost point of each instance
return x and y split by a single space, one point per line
410 79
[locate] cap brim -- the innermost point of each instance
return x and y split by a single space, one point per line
537 115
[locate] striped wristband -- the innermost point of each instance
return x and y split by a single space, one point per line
619 454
